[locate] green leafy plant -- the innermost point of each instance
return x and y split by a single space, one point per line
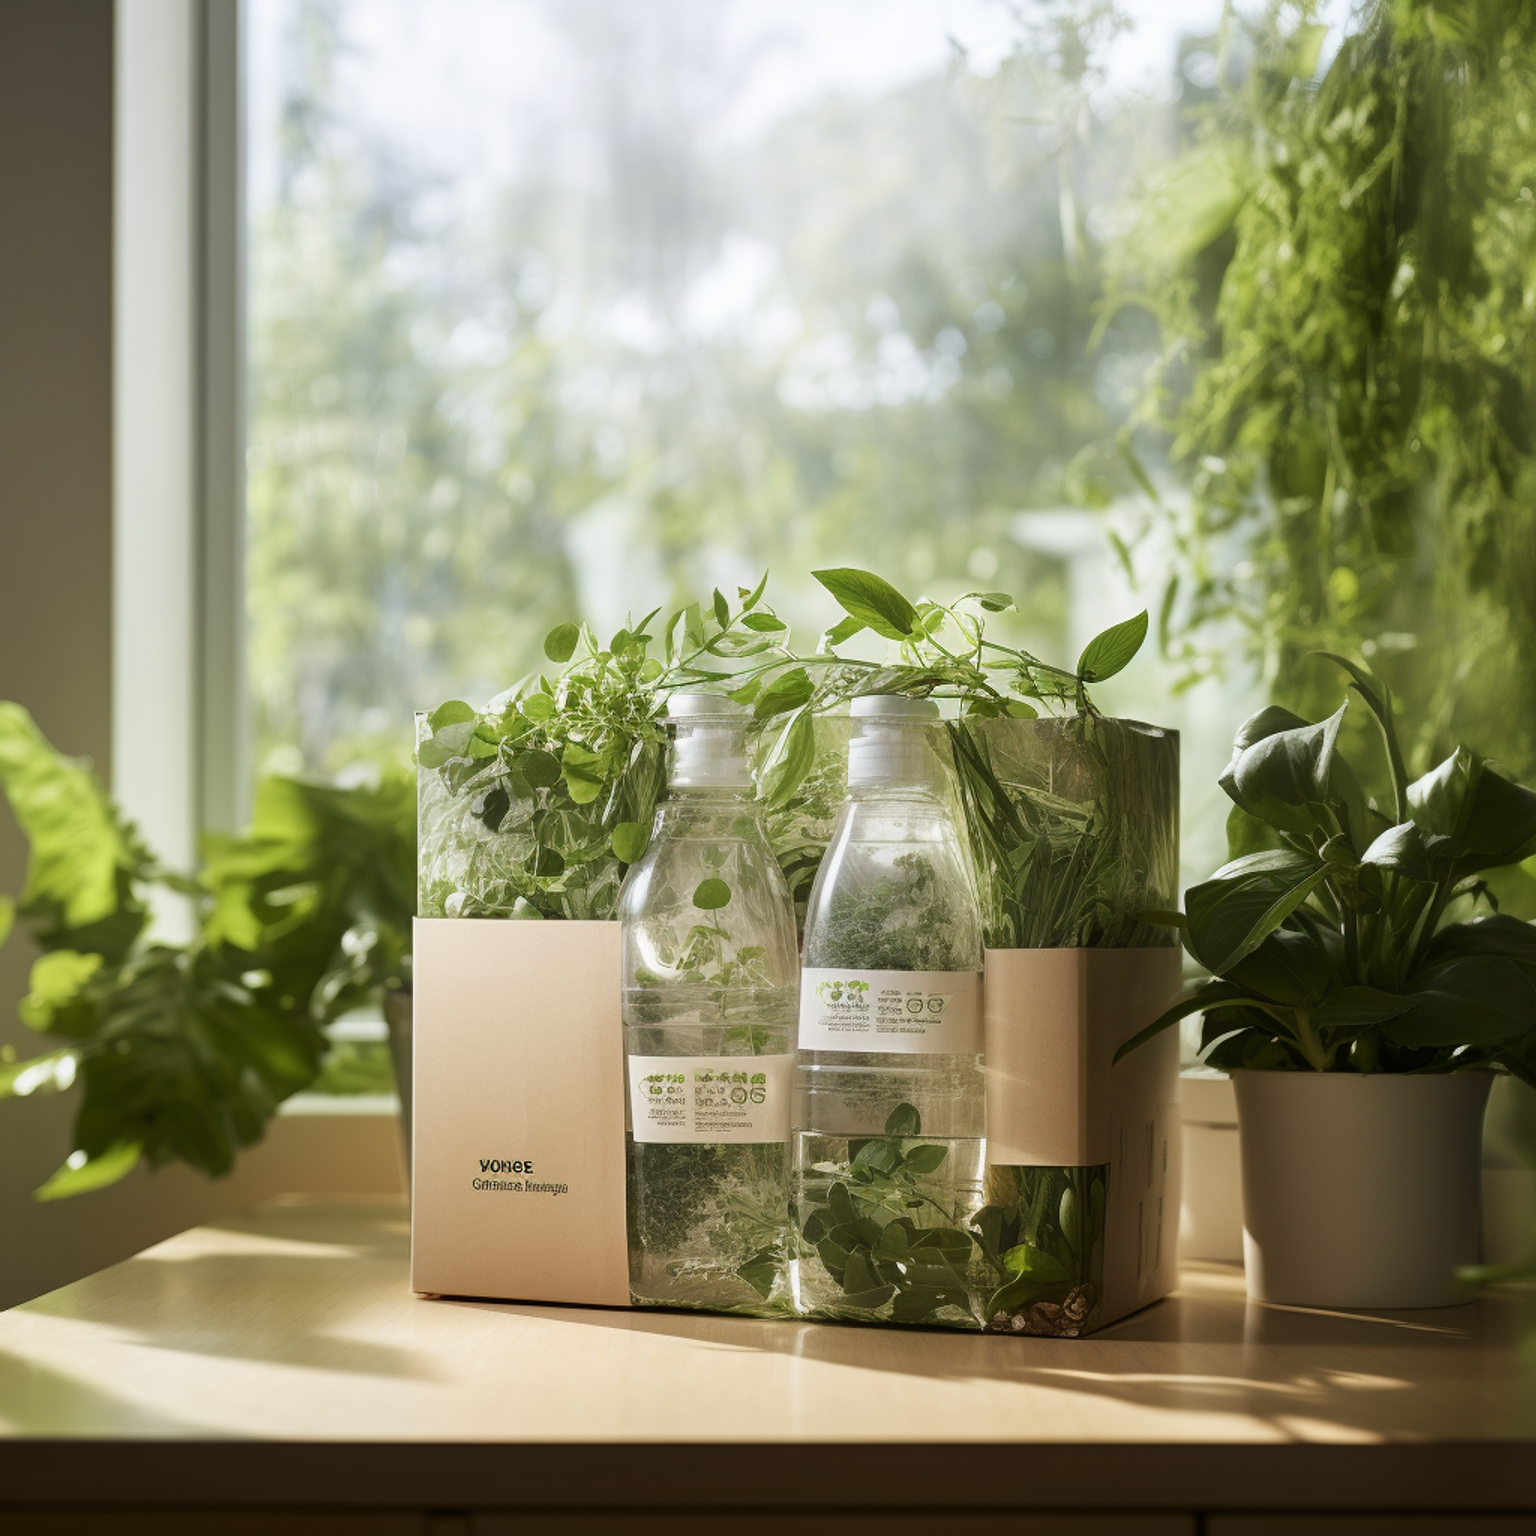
883 1226
1042 1233
1341 939
184 1049
1338 264
535 807
1073 825
943 652
903 922
1072 819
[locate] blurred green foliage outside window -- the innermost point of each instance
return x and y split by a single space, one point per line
582 306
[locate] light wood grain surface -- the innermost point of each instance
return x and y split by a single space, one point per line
296 1323
280 1360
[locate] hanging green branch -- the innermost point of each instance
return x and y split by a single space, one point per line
1339 266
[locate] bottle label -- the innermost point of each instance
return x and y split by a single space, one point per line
933 1013
721 1099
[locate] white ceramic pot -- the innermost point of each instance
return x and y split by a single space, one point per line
1360 1191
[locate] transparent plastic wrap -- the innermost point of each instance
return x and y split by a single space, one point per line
1074 829
1074 832
1042 1236
500 832
800 827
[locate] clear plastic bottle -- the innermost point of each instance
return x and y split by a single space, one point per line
890 1095
711 984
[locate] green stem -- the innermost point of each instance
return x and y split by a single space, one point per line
1311 1045
1351 940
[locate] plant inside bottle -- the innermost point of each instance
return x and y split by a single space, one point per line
710 988
890 1093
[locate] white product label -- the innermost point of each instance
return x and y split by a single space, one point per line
934 1013
720 1099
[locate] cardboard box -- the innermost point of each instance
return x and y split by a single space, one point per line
1056 1097
520 1104
517 1179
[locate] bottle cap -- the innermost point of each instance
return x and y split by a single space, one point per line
890 745
892 706
709 742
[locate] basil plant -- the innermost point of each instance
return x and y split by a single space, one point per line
1347 938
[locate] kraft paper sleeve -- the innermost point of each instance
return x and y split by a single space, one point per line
518 1166
1053 1019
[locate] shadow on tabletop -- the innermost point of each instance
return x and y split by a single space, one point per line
1180 1358
39 1401
161 1299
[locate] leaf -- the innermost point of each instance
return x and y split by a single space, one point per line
872 600
844 629
789 690
722 610
1358 1007
904 1120
1109 652
792 757
749 601
1294 966
693 624
1378 699
78 847
1210 995
994 602
1401 850
537 707
581 771
1285 775
1269 721
80 1175
1243 902
761 1271
878 1153
52 1072
539 768
1477 1000
765 623
629 841
55 982
454 712
1035 1264
925 1159
1497 935
1488 820
560 642
711 894
7 917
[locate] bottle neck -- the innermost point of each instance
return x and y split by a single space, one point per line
906 793
692 801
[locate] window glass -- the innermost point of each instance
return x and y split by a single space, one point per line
583 306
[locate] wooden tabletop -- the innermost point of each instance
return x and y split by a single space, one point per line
288 1346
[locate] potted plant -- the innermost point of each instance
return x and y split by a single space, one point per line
184 1046
1361 1003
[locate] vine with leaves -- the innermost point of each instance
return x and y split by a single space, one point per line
1339 267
